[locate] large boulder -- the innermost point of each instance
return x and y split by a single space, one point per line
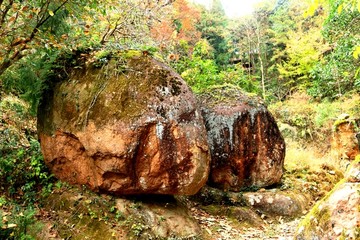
247 148
337 215
130 126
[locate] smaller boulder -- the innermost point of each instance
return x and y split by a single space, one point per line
246 146
337 215
285 204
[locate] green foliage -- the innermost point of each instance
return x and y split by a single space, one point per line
303 119
29 75
201 71
338 72
213 25
23 172
326 112
16 222
22 169
201 74
298 116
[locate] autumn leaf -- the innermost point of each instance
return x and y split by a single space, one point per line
51 13
340 8
356 53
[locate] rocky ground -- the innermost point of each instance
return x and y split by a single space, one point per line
226 229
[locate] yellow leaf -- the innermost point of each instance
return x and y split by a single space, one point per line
51 13
340 8
311 10
15 6
356 53
358 5
11 225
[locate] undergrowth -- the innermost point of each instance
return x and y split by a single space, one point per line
305 121
23 174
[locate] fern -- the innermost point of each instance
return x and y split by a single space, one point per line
27 78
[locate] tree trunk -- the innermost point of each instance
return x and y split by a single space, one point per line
261 65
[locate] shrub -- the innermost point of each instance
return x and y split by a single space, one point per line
22 170
16 221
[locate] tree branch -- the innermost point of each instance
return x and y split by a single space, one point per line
39 24
3 16
18 46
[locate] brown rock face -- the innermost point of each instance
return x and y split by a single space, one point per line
246 146
131 127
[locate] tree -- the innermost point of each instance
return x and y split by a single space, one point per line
293 45
213 25
250 42
338 73
177 28
21 23
35 32
29 25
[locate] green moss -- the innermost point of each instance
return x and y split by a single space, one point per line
228 94
318 212
131 54
81 214
121 89
309 226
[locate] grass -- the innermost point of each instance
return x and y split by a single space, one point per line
305 157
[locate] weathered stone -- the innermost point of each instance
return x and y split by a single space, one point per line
344 141
247 149
131 127
337 215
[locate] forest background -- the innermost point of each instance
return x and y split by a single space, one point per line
284 47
